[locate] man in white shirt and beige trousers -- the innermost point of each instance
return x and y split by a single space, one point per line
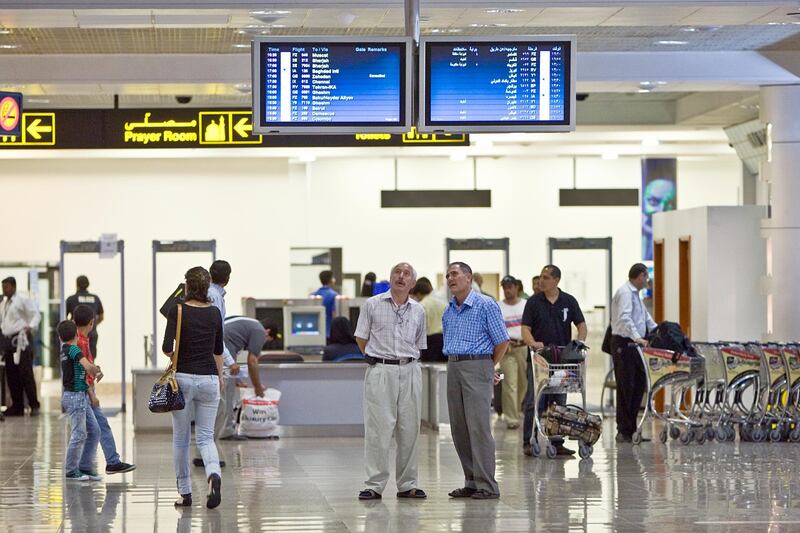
390 333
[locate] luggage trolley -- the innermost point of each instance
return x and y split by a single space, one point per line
791 353
682 374
744 370
557 378
776 405
710 397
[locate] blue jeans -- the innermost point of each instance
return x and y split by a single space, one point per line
106 438
85 432
201 394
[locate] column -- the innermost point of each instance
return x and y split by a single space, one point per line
780 112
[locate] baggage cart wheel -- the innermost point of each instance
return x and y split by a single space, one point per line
794 436
551 451
746 431
636 438
663 436
674 433
775 435
686 437
584 450
710 433
759 435
700 436
730 433
722 435
536 450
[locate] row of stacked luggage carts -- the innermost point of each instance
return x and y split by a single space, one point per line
722 387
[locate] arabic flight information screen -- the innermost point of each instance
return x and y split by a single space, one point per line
335 84
522 83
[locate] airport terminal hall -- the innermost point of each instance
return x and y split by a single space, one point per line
399 266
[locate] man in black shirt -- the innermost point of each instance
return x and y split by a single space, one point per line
546 321
83 297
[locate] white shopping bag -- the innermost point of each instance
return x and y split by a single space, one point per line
258 416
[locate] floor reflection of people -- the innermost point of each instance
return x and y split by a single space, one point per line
379 519
210 521
81 504
480 517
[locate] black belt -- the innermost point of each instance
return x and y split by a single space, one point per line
375 360
468 357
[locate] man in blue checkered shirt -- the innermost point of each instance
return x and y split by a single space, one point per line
475 340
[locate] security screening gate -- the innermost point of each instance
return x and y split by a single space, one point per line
501 245
173 247
107 248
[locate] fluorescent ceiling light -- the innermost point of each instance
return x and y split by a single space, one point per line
37 101
241 46
267 13
9 46
672 43
503 11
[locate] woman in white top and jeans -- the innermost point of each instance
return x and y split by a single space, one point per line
199 376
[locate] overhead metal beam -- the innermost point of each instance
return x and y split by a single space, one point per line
695 106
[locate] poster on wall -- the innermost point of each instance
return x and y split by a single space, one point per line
659 193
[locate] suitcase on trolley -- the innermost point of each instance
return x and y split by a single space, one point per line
572 421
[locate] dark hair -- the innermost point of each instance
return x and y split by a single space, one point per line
82 282
82 315
67 330
636 270
220 271
520 286
325 277
423 287
534 278
341 331
197 281
554 271
369 283
11 280
271 325
463 267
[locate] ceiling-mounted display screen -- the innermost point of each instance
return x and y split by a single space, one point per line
497 84
331 84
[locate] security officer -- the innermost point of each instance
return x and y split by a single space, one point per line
83 297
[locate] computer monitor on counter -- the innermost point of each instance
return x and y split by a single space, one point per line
304 328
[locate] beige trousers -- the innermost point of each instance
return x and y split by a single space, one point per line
514 366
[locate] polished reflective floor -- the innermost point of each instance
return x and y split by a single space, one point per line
305 484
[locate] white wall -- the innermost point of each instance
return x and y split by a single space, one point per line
258 208
728 259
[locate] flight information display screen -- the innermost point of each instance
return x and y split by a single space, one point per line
328 85
495 83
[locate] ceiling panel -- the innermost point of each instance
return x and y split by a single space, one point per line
572 16
719 16
647 16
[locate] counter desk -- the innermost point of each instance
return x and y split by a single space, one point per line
317 399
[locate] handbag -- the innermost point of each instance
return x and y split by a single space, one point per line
166 396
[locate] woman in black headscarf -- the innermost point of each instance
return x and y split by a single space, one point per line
369 283
341 342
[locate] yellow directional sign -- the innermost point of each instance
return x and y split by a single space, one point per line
227 127
38 129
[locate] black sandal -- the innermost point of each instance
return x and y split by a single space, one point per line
463 492
368 494
413 493
184 501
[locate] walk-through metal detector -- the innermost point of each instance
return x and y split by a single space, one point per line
173 247
581 243
95 247
501 244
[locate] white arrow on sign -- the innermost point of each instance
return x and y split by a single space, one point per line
34 129
242 127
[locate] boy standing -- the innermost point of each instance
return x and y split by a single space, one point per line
84 320
75 400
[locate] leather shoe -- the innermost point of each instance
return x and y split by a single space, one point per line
562 450
623 438
526 449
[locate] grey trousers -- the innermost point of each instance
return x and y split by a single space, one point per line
469 399
392 408
225 424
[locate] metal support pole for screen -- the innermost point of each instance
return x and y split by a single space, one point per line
93 247
173 247
501 245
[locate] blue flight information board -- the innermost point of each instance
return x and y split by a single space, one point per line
497 83
332 84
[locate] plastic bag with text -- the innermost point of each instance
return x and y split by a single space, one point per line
258 416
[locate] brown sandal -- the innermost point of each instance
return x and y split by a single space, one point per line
413 493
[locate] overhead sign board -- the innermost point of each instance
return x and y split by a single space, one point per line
185 128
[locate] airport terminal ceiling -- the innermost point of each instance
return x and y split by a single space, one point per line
691 63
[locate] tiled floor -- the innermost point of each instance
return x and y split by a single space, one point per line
311 485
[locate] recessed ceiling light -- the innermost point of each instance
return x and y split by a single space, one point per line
5 31
672 43
9 46
267 13
689 29
37 100
503 11
243 87
241 46
277 25
644 90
